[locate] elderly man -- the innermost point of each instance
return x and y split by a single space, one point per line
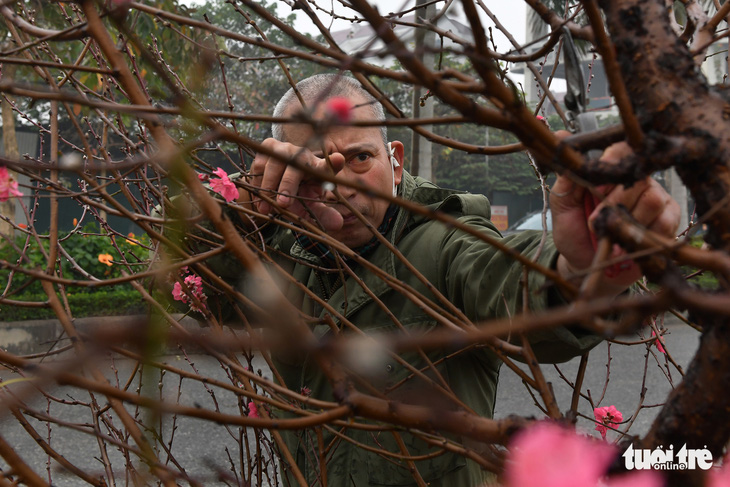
458 267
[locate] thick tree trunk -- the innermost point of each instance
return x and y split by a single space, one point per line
685 124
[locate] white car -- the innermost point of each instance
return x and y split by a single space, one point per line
531 221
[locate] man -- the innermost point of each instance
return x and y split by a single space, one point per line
458 270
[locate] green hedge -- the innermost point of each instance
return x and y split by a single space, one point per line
86 247
102 302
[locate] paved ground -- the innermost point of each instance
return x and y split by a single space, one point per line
204 448
622 380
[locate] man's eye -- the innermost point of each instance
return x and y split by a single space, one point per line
361 157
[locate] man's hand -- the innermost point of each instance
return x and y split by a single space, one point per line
283 183
646 200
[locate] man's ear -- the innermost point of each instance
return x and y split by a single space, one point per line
398 153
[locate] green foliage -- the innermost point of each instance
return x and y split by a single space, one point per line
706 279
241 77
98 302
478 173
254 79
453 168
86 247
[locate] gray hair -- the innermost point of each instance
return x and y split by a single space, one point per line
321 87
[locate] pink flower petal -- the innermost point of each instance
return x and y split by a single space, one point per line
8 186
607 416
719 476
194 285
659 342
177 293
340 108
224 186
221 173
253 411
547 455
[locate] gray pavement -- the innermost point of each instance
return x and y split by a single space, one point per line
206 450
622 379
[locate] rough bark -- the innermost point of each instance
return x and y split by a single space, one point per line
684 124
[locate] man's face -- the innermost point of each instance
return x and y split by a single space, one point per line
366 161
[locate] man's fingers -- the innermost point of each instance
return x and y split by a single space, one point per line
615 152
667 223
328 217
272 174
619 195
318 213
292 188
648 204
275 176
289 184
565 194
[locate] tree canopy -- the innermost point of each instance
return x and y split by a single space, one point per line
148 116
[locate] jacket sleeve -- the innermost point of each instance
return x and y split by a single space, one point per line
488 284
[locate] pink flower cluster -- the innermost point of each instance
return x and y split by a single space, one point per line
194 285
253 411
223 185
547 455
607 416
8 186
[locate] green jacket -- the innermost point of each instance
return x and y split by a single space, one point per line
475 277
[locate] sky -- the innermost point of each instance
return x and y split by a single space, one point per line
510 13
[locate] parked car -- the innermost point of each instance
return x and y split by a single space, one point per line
531 221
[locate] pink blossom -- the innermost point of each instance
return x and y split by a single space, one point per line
543 120
719 475
641 478
223 186
8 186
194 285
607 416
547 455
659 342
339 108
203 177
253 411
178 294
305 391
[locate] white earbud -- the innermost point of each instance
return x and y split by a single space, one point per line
393 164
